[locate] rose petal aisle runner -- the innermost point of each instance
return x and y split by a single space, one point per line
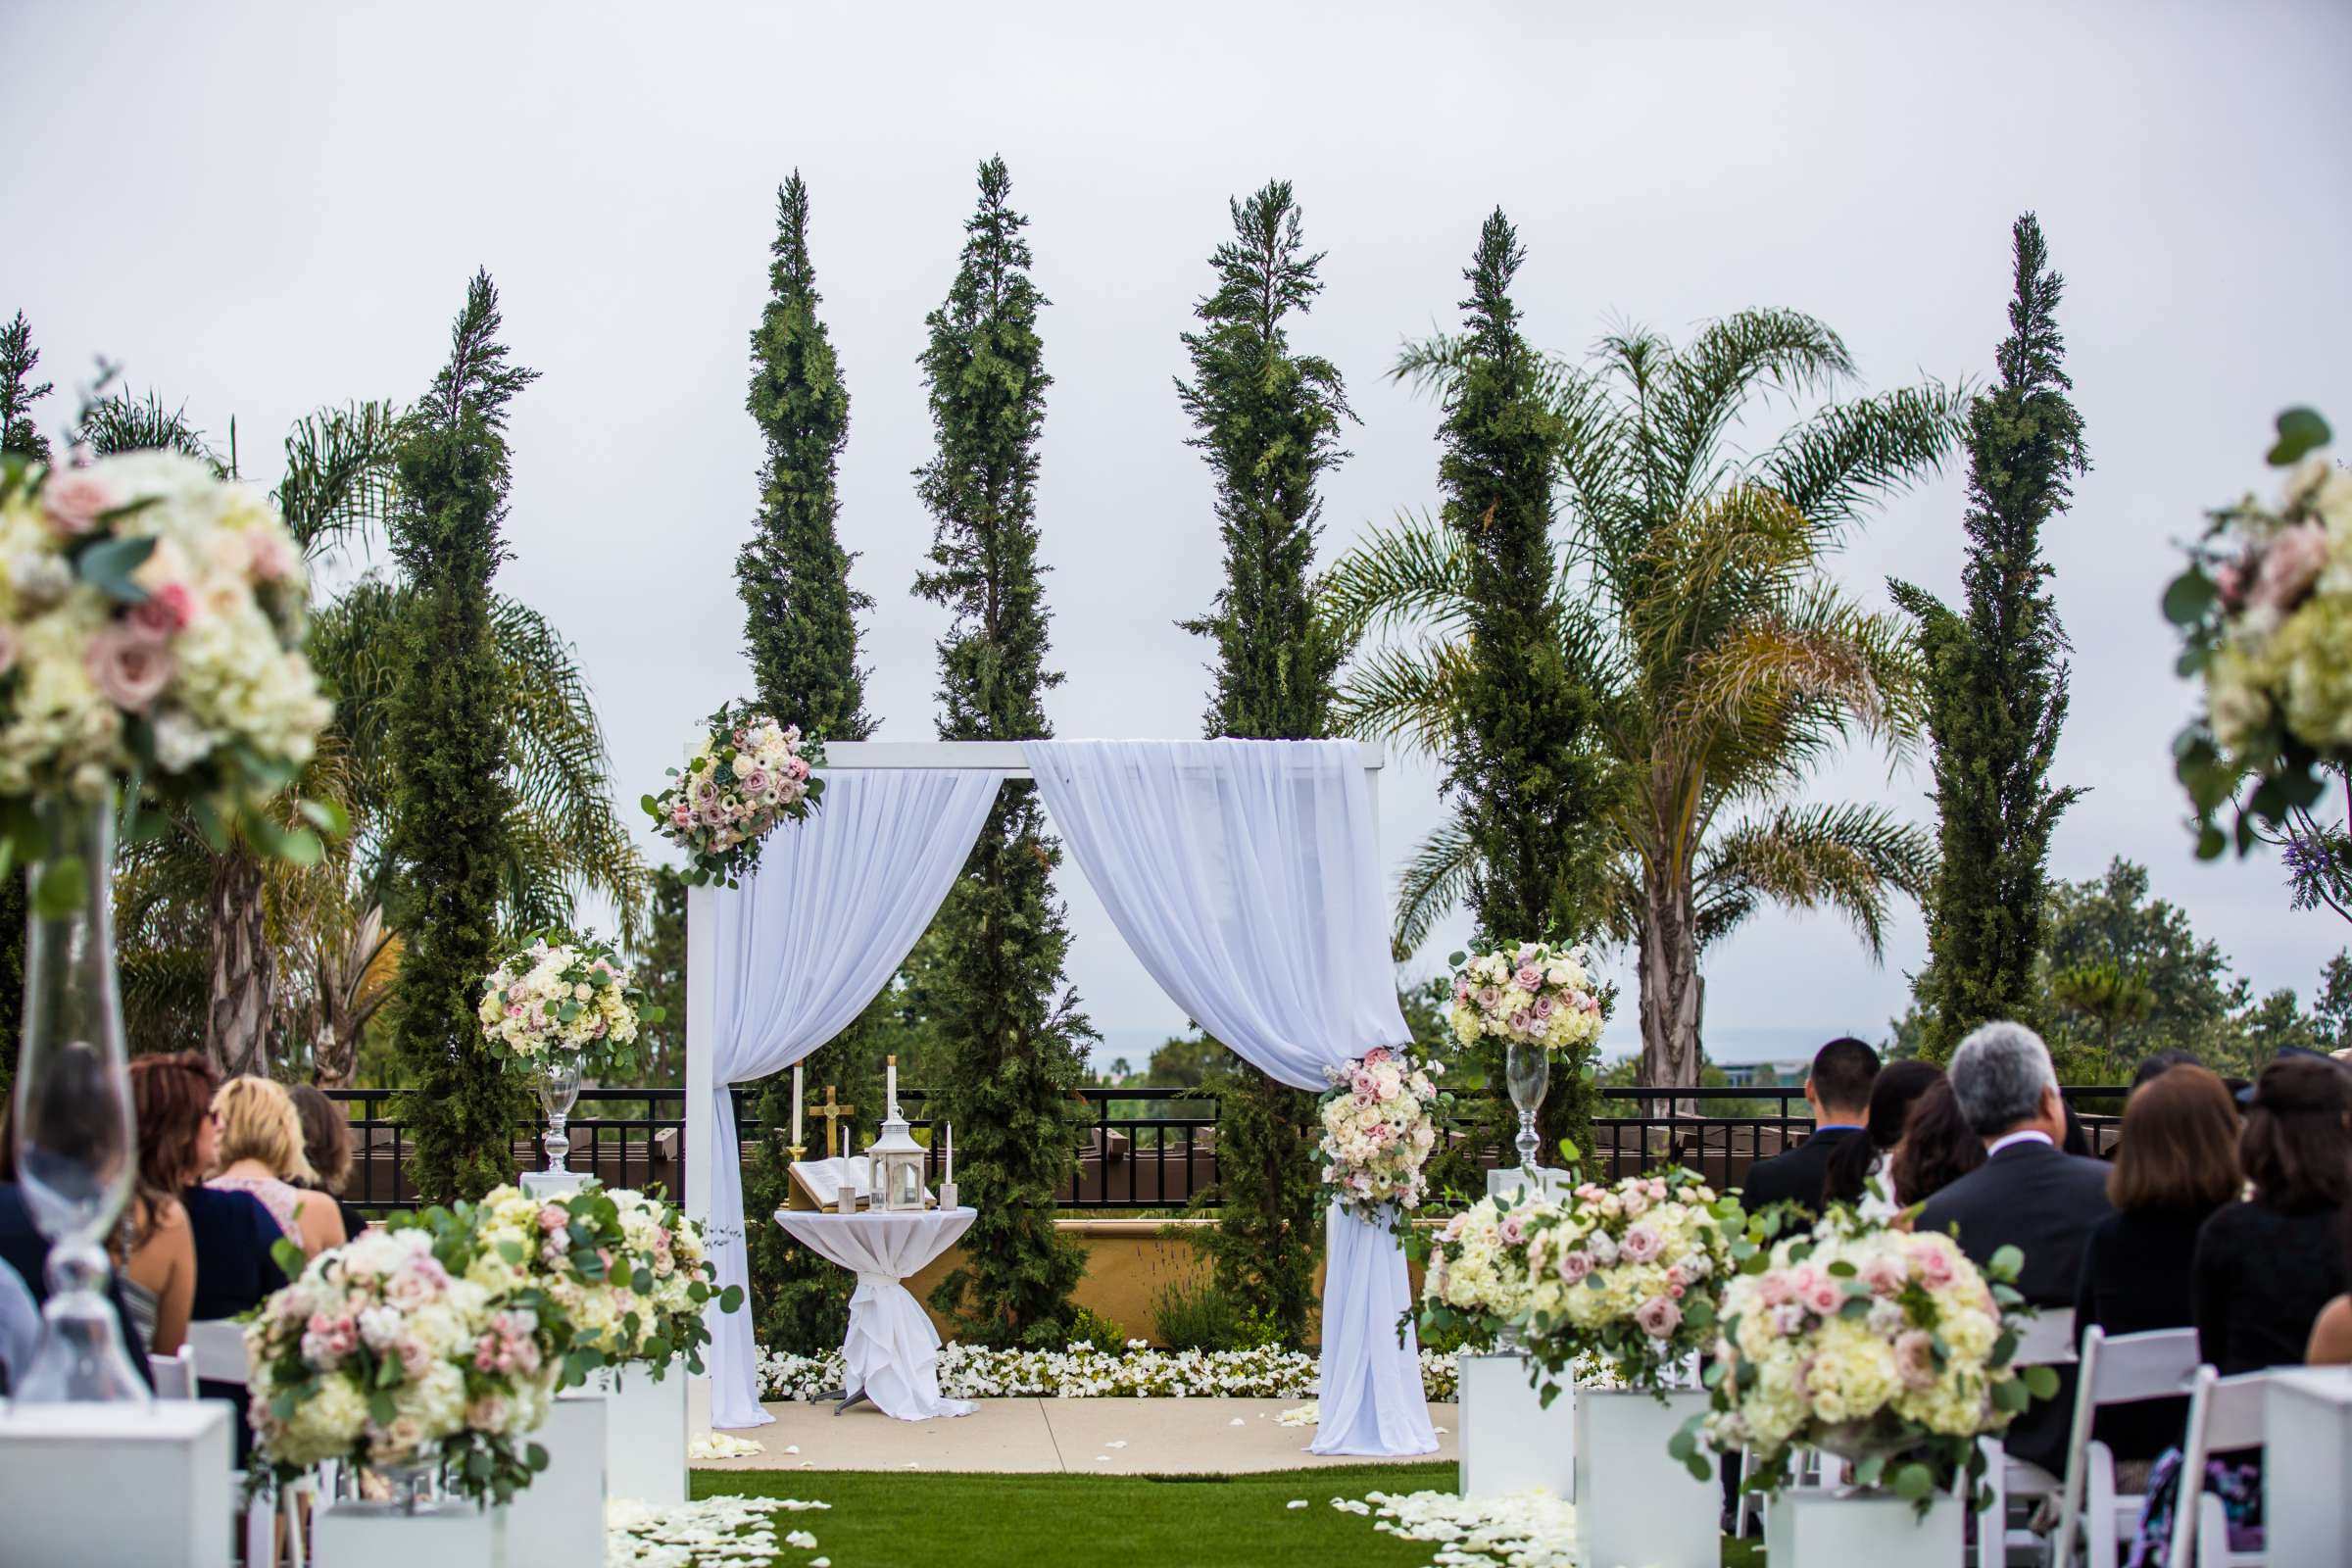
715 1533
1517 1529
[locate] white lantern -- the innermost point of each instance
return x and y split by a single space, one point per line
897 1163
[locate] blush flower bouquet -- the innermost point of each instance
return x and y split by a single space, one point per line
1534 994
1478 1278
2265 610
742 775
380 1355
1887 1349
566 996
1380 1122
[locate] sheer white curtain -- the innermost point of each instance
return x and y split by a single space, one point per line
811 936
1245 876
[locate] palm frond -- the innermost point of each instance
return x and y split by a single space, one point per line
1414 573
1702 388
1405 694
1431 885
338 484
119 423
1848 859
1835 462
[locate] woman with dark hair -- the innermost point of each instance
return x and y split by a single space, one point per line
2266 1267
2177 1164
1893 1094
159 1251
1938 1147
327 1144
233 1232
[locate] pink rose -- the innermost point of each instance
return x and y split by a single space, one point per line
1657 1317
1574 1266
1824 1297
1523 1023
271 553
162 611
1488 998
1376 1056
1453 1228
1934 1267
75 499
1545 1006
1530 951
1884 1274
1775 1288
795 769
1642 1244
1636 1202
2290 565
553 1218
1590 1004
1461 988
487 1413
131 671
1529 978
1514 1228
1789 1319
2229 581
754 782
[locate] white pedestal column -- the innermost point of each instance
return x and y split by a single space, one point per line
1508 1441
645 1432
1819 1527
557 1521
379 1534
2306 1462
83 1483
1636 1504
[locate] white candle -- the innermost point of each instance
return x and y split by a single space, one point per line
796 1106
890 1089
950 1152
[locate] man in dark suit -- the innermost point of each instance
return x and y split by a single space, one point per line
1839 1091
2028 1194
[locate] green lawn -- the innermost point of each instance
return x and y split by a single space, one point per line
887 1520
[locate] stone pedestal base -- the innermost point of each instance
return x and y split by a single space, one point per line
645 1432
378 1535
554 1183
557 1521
1635 1502
82 1484
1508 1441
1809 1528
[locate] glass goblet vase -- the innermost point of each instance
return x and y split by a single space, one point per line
1527 1069
76 1132
558 1092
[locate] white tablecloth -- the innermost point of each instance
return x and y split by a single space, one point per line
892 1350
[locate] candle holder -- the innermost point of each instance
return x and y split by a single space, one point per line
946 1195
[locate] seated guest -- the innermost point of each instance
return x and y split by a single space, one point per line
25 1254
1837 1090
2027 1195
2177 1164
2267 1266
260 1154
1938 1147
176 1137
1858 1161
327 1144
231 1232
2331 1336
2161 1062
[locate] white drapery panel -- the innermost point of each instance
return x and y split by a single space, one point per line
812 934
1245 876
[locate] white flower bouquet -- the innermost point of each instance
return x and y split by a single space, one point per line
1380 1122
742 775
152 620
2266 610
1887 1349
1477 1278
1533 994
565 998
627 1271
380 1354
1629 1276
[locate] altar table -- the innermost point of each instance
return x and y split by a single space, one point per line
891 1352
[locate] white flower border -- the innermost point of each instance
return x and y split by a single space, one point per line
1136 1370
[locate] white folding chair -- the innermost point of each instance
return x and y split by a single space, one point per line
218 1348
2048 1340
2223 1414
174 1374
2123 1370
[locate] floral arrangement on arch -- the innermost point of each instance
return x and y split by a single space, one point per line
1534 994
1628 1276
565 998
1885 1347
2265 610
1380 1122
742 775
628 1271
378 1354
152 620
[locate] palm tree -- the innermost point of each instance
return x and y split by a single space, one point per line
1691 596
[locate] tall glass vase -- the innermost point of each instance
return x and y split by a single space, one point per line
1527 1069
76 1133
558 1092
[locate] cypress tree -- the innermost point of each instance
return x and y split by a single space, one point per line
20 437
1996 676
1011 1042
448 733
1524 764
1269 428
801 625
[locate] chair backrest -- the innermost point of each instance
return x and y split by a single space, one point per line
2048 1340
2224 1413
175 1375
2160 1364
219 1346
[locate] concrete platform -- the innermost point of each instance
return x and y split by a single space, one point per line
1091 1437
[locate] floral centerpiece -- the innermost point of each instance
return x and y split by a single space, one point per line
1477 1280
2265 610
629 1272
1887 1349
565 998
380 1355
1380 1121
742 775
1628 1276
1531 994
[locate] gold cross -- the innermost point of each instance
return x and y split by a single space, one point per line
832 1114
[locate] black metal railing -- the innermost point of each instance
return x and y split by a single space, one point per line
1137 1147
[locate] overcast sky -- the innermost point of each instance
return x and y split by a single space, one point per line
262 209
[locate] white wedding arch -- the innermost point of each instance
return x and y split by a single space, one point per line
1244 874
